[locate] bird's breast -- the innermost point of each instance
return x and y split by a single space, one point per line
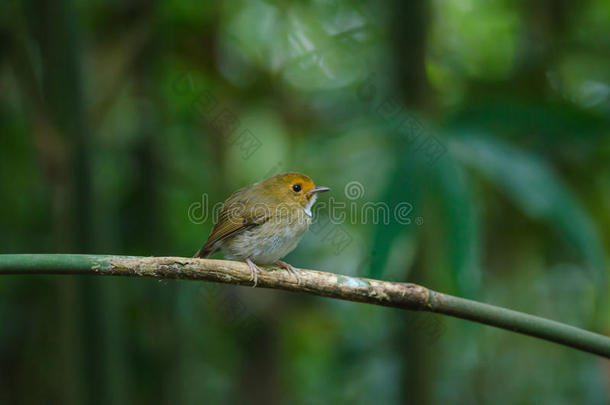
270 241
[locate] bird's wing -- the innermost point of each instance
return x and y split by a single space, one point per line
233 220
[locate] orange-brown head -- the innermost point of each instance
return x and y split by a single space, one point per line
293 188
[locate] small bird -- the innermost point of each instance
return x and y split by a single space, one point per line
263 222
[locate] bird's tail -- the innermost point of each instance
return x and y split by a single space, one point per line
205 251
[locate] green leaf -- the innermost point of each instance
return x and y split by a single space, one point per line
532 184
445 184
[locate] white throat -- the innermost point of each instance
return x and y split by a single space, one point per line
309 205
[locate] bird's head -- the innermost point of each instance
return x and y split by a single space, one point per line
293 188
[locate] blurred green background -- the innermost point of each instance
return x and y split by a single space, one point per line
122 122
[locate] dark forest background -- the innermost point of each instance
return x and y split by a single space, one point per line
122 121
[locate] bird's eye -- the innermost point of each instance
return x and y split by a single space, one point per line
296 188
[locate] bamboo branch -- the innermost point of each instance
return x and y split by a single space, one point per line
377 292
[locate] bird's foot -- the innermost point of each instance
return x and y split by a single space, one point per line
290 269
254 269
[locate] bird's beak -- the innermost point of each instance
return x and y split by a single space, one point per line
318 190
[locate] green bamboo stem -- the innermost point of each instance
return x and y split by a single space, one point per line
377 292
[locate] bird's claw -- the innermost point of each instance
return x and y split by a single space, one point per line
254 269
290 269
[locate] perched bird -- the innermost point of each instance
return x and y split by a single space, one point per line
263 222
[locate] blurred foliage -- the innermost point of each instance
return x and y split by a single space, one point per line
491 119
